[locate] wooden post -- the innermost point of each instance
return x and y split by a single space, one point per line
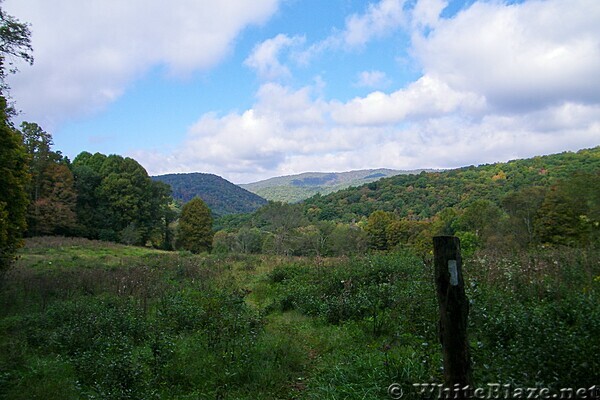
454 310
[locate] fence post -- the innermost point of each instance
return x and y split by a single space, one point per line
454 310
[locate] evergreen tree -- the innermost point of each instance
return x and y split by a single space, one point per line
195 227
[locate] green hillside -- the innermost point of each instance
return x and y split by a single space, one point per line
426 194
295 188
221 196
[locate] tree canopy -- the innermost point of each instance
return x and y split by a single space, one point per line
118 201
194 232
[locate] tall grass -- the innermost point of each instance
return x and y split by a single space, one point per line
77 323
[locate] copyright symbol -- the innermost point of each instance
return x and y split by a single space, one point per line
395 391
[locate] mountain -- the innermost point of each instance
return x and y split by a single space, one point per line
221 196
295 188
426 194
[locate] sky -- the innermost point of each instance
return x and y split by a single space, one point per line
254 89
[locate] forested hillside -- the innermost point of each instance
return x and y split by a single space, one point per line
546 200
424 195
221 196
295 188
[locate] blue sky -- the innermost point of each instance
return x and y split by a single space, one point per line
251 90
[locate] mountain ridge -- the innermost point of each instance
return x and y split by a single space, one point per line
297 187
220 195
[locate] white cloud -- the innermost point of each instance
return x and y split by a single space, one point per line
521 56
426 13
88 52
427 97
379 19
291 131
265 56
372 79
499 82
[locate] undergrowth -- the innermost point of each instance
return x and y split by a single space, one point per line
158 325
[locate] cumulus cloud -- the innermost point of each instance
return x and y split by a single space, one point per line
521 56
426 13
499 81
427 97
265 56
88 52
291 131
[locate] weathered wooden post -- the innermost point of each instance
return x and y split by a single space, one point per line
454 310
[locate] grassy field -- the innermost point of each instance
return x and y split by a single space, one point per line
82 319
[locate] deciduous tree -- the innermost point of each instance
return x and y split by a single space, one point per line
13 194
195 232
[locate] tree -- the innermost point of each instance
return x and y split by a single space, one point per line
15 42
13 194
194 232
347 239
522 208
118 200
377 227
52 193
53 212
570 212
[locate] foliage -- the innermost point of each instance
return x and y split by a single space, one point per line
52 193
87 319
15 42
422 196
117 200
221 196
570 212
13 184
194 232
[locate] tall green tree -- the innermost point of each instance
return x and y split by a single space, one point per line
570 212
15 43
118 201
195 232
13 193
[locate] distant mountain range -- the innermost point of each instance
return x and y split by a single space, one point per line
220 195
295 188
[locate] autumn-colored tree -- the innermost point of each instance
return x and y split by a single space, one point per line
195 232
51 190
53 212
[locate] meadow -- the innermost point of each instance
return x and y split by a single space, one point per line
82 319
